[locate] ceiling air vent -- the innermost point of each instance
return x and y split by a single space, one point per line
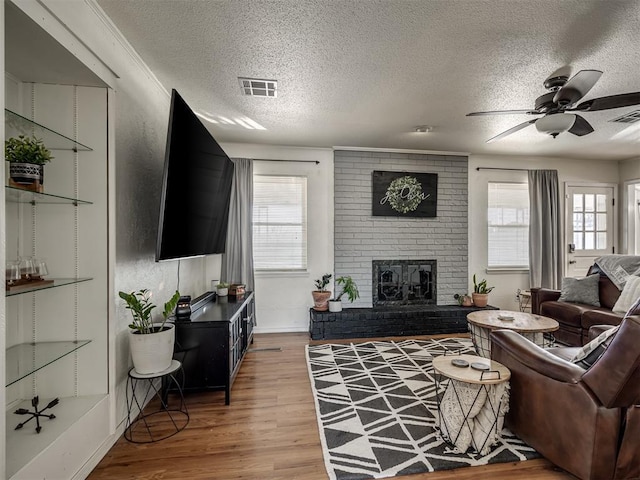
256 87
631 117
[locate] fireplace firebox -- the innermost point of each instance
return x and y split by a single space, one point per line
404 282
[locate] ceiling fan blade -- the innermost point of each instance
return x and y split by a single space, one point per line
611 101
512 130
580 127
503 112
577 87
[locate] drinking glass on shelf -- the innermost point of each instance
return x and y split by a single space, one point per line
12 273
40 266
27 269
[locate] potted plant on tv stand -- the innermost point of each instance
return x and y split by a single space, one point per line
26 157
151 343
481 292
349 288
321 295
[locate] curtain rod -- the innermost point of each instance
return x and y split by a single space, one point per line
497 168
298 161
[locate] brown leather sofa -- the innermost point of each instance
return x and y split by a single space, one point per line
575 319
585 421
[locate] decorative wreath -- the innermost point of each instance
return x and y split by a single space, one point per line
405 194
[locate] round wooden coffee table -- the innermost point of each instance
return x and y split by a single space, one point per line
533 327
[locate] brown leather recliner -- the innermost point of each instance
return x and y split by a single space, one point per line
585 421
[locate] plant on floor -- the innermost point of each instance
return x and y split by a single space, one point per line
139 303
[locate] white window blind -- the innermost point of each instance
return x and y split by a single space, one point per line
279 222
508 220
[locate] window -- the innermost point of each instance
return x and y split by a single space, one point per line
279 222
508 219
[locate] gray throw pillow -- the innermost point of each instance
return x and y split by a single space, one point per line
581 290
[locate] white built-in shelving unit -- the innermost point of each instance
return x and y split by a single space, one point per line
57 335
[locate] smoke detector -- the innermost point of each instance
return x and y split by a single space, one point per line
256 87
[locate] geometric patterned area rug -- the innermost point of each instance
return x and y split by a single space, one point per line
377 410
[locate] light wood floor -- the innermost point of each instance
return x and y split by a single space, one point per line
269 432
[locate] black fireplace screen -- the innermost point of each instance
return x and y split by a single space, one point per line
404 282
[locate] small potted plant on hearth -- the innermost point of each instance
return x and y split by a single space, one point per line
151 343
480 293
26 157
321 295
349 288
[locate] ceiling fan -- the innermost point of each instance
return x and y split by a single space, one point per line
563 94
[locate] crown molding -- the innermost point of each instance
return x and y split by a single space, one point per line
124 43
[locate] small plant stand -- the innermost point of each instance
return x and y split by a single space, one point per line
159 419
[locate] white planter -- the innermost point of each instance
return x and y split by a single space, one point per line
222 292
152 352
335 305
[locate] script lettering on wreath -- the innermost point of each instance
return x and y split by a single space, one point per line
404 194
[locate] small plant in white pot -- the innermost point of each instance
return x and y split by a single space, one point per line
349 288
151 343
222 289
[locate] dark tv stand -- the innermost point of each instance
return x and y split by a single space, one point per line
212 344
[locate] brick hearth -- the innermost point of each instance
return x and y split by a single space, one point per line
389 321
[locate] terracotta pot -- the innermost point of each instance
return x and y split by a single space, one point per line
480 299
321 300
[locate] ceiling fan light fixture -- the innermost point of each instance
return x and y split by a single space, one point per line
555 123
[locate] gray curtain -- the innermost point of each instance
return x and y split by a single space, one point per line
237 262
545 229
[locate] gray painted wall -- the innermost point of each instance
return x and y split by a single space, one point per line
361 238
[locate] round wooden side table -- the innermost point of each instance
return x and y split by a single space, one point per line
472 399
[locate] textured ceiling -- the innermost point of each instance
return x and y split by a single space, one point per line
364 73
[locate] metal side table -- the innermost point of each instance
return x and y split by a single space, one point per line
163 416
472 396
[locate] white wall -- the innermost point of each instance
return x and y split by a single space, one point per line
283 299
507 284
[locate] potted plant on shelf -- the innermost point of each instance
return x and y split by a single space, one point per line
26 157
321 295
222 289
349 288
480 293
463 299
151 343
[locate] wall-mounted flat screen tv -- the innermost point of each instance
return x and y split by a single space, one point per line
196 188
